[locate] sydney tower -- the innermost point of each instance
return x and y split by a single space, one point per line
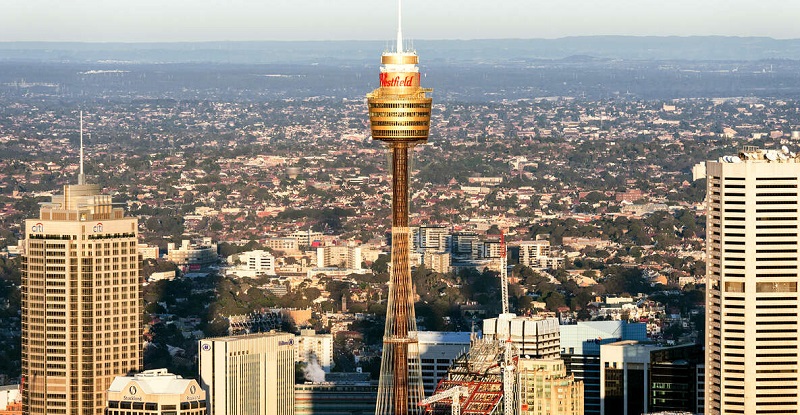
400 114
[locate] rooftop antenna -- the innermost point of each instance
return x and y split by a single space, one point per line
81 179
503 273
399 26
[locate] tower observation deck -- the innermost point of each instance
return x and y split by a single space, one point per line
399 114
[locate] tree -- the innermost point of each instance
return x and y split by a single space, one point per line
381 264
554 299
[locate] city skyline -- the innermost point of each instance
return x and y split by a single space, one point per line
244 20
605 202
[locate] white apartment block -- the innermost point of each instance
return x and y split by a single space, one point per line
537 254
347 257
534 337
432 237
530 252
253 263
437 261
310 347
202 253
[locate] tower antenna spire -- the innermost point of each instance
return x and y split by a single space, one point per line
81 179
399 26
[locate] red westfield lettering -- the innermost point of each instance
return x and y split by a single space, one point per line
408 80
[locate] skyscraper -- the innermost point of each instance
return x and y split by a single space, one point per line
752 336
580 349
544 388
81 308
399 113
251 374
641 378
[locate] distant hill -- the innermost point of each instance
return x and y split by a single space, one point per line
584 48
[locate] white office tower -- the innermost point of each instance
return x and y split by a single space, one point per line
437 351
534 337
751 301
252 374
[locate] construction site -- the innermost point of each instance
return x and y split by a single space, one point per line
474 384
515 369
477 381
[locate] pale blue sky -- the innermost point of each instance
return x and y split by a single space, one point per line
221 20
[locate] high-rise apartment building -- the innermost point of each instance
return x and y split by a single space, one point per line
250 374
534 337
432 238
252 264
81 306
752 336
345 257
537 254
544 388
466 246
437 261
193 255
314 349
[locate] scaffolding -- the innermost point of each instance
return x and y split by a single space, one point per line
480 372
256 322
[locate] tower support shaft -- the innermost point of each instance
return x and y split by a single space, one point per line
400 321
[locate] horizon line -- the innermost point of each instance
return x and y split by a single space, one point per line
156 42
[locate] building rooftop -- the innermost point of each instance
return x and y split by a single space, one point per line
156 381
460 337
754 154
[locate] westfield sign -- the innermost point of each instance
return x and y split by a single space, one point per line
394 79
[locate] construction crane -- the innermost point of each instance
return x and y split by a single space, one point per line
503 273
508 380
455 393
508 360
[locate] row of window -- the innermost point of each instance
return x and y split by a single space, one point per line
411 105
400 123
394 133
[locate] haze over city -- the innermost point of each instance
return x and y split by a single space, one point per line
286 20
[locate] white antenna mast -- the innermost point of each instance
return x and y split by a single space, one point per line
80 174
399 26
503 273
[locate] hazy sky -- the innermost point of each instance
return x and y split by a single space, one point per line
214 20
